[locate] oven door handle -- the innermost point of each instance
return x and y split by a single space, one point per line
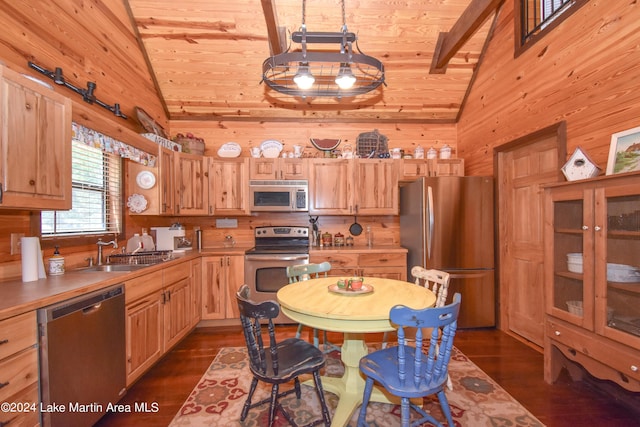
276 258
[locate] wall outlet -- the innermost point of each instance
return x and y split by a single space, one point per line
16 243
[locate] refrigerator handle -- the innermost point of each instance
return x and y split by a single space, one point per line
431 221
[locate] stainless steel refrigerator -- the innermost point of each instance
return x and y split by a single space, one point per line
447 223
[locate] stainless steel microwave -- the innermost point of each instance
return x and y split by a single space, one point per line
279 195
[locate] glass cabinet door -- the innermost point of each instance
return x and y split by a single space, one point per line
572 265
618 282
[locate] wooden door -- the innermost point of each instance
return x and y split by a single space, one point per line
144 334
213 295
331 186
177 316
166 181
262 168
192 184
229 187
377 188
294 169
523 167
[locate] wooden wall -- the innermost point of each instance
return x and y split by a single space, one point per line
586 72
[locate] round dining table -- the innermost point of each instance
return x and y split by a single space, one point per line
320 304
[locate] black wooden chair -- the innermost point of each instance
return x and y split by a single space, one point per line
408 372
277 362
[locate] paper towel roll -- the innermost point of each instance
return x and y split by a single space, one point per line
32 263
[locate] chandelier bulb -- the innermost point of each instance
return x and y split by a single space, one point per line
303 78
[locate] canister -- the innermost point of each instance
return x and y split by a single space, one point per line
56 263
338 239
327 239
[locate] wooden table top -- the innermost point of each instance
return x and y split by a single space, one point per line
311 303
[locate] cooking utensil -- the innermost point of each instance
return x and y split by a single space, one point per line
355 229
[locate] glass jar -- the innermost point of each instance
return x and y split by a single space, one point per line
327 239
338 239
445 152
349 241
418 153
432 153
229 241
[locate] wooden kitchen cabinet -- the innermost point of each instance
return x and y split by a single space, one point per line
19 369
196 291
279 168
35 128
391 264
222 277
158 310
353 186
593 304
229 187
412 169
192 184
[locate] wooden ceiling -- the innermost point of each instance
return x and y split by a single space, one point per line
206 56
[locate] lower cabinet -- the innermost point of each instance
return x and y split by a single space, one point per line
19 370
222 277
159 308
390 265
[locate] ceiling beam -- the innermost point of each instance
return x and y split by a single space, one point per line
277 42
450 42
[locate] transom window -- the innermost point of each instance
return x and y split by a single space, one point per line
96 196
537 17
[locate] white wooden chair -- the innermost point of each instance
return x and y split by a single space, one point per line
438 282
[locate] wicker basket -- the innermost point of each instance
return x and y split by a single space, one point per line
371 144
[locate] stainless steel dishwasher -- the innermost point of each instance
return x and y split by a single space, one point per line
82 357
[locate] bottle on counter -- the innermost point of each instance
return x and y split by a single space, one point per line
369 236
147 241
134 243
56 263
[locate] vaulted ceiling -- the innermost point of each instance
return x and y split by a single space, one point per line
206 55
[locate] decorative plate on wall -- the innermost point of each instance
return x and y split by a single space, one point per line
137 203
146 180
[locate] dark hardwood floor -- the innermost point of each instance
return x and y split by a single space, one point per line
514 365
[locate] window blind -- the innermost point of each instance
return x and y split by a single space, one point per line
96 195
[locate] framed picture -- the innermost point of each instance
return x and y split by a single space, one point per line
624 152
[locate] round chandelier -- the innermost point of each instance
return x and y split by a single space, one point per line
321 73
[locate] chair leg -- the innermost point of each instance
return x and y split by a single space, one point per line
296 386
273 404
385 339
444 404
247 403
299 331
405 411
368 387
316 341
323 404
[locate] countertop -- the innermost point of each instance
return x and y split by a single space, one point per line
17 297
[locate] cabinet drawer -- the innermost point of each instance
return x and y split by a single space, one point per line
28 397
17 372
337 260
378 260
176 273
619 357
18 333
141 286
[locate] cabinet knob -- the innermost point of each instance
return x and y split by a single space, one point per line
597 228
634 368
557 333
585 227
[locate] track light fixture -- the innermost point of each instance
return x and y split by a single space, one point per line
87 94
316 73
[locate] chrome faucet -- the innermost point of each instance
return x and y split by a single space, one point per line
100 244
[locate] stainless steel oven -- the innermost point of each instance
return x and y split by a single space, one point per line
266 264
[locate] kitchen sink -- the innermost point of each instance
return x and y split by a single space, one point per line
116 267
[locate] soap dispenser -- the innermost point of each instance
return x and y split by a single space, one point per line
56 263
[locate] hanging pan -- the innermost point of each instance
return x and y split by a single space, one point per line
355 229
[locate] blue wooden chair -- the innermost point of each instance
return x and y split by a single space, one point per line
277 362
413 372
300 273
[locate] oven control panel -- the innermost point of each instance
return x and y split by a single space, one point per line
281 232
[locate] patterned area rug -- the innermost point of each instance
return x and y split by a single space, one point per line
476 400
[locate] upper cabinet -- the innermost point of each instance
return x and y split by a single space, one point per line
35 128
416 168
229 187
280 168
192 184
353 186
161 196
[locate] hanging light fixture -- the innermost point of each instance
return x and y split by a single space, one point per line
317 73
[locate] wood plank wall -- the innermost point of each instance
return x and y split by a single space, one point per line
584 72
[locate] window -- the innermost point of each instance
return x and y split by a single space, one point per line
537 17
96 196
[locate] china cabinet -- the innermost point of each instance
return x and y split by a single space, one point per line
592 278
35 142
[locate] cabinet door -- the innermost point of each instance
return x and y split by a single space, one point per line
213 292
196 291
166 181
569 258
192 184
176 311
229 187
144 334
235 279
294 169
617 269
446 167
36 129
262 168
413 169
377 190
331 187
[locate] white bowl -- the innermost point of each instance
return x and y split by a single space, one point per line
574 262
622 273
230 149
